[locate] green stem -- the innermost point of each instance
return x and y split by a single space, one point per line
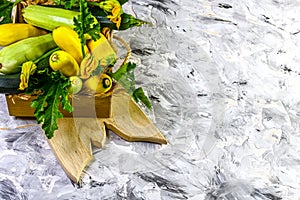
82 27
46 55
93 3
17 1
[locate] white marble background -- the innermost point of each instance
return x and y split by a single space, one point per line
224 79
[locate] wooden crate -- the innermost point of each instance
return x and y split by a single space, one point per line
84 106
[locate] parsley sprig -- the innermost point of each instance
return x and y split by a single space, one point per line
86 23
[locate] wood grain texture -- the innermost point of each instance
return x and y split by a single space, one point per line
84 106
71 143
129 122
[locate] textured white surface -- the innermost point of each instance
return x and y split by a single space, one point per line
224 79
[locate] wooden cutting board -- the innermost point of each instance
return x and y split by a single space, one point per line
72 142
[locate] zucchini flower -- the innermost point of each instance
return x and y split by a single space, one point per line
28 68
107 32
115 8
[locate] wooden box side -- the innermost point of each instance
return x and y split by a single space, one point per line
84 106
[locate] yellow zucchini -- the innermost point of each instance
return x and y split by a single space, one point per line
98 84
14 55
101 54
11 33
101 49
64 62
93 44
67 39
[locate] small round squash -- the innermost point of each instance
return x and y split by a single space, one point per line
98 84
76 84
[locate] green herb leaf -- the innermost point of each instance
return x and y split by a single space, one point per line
139 94
123 70
54 92
5 11
129 21
86 23
67 4
122 1
125 76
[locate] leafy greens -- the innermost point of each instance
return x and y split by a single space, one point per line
85 23
5 11
53 88
67 4
125 76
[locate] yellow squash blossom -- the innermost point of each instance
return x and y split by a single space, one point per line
28 68
107 32
115 8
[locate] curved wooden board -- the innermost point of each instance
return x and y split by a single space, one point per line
71 143
128 120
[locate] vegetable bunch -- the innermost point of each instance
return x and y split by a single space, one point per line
65 51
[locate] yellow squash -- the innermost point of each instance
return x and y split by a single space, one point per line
76 84
93 44
11 33
98 84
67 39
64 62
101 48
101 54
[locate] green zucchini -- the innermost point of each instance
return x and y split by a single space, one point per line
14 55
49 17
